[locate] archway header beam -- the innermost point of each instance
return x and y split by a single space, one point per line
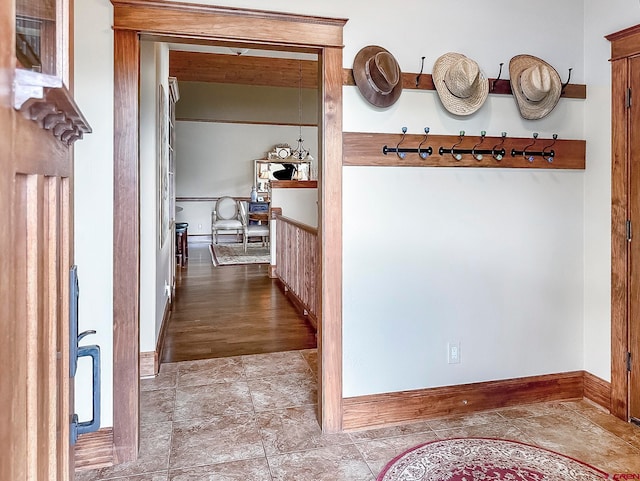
211 22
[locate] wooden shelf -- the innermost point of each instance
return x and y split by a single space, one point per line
45 100
294 184
365 149
502 87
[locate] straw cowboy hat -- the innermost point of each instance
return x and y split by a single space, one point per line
377 75
461 86
535 84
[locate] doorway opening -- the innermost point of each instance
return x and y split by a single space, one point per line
169 21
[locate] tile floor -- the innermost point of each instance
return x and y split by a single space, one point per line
252 418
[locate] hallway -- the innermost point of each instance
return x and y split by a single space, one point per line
230 311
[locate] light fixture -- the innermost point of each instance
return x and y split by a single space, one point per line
300 152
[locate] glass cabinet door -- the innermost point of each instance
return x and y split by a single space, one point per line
36 35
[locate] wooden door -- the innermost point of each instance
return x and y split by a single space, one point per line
38 124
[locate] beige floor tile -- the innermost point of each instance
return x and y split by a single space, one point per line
248 470
273 364
501 430
209 371
163 476
311 356
391 431
157 406
465 420
164 380
212 399
377 453
581 439
335 463
282 391
295 429
169 367
155 445
539 409
218 439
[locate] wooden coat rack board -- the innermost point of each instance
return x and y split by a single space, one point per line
414 81
366 149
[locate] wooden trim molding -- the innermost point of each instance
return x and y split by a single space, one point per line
126 247
148 362
196 23
163 333
624 44
94 450
227 24
503 87
329 274
597 390
396 407
367 149
294 184
47 101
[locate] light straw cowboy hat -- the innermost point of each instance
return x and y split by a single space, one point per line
535 84
460 84
377 75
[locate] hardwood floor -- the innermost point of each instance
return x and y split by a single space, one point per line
231 311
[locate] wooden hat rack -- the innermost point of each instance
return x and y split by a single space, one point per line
462 150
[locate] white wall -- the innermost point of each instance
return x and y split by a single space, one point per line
545 231
93 190
215 159
298 204
155 268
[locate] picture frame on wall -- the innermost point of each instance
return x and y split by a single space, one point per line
162 163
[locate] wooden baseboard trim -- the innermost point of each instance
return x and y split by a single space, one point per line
272 272
150 361
147 364
162 334
94 450
597 390
396 407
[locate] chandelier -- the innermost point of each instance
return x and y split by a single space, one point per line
300 152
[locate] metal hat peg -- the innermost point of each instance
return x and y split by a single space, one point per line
424 153
457 156
549 155
402 155
530 157
499 154
473 150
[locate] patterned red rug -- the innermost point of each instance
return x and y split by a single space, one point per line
475 459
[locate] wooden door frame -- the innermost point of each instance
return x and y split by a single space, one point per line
167 21
624 44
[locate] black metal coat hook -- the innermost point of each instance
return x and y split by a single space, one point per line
402 152
493 84
499 154
549 155
427 152
564 85
477 154
545 153
420 74
455 153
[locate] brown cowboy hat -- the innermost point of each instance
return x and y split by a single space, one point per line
535 84
377 75
460 84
